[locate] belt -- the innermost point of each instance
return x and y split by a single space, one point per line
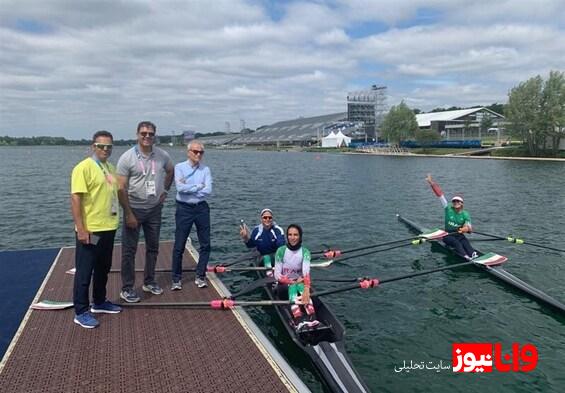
191 204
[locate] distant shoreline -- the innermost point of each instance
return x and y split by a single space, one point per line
459 156
309 150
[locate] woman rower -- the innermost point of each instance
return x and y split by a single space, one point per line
292 272
457 222
266 237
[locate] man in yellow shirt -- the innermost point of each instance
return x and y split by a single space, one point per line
94 205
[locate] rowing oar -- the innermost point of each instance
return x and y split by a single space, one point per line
516 240
217 304
365 283
218 268
210 269
224 304
434 234
414 242
490 259
242 258
335 253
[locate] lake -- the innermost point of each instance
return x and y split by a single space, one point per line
348 201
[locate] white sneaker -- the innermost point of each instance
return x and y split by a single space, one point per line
307 324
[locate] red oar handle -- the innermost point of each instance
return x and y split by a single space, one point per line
331 254
222 304
216 269
367 283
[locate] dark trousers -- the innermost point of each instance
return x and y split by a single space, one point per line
150 221
460 243
186 215
92 262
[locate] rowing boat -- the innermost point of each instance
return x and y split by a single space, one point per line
496 271
323 344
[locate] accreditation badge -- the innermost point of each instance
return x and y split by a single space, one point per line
114 206
150 189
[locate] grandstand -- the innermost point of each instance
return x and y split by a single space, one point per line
301 131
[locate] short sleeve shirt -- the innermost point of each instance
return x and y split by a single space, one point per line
139 169
454 220
98 191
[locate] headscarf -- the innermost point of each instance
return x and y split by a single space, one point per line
299 244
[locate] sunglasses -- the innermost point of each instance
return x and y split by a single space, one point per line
201 152
103 146
267 217
147 134
456 201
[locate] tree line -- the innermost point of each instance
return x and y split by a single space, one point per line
535 115
61 141
52 141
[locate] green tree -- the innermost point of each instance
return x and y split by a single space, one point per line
399 124
553 101
496 107
426 138
486 122
536 112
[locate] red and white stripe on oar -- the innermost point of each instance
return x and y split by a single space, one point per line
434 234
490 259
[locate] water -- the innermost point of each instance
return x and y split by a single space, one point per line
348 201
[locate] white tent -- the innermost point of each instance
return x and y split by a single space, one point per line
343 140
330 141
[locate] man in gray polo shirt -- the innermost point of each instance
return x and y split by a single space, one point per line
145 174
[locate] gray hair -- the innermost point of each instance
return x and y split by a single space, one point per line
194 142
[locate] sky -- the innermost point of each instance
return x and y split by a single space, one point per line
69 68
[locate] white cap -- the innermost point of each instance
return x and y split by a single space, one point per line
265 211
457 198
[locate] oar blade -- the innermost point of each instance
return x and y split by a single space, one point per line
490 259
433 234
51 305
322 264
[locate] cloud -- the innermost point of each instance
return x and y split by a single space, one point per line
70 67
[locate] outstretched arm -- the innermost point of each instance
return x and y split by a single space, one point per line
437 190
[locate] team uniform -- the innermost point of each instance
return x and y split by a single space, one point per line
291 265
453 221
266 241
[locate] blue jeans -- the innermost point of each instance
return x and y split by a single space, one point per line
92 261
150 221
186 215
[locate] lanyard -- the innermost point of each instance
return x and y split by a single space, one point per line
192 173
107 175
141 165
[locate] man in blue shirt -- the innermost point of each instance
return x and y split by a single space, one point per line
193 182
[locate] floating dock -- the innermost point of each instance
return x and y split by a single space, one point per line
142 349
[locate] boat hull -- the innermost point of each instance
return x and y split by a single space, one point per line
497 271
324 346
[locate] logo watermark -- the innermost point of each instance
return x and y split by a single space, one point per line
484 357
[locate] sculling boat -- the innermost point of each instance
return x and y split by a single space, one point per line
497 271
323 344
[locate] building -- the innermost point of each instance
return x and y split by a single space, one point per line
301 131
473 123
369 107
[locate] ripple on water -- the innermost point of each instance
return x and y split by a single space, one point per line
347 201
